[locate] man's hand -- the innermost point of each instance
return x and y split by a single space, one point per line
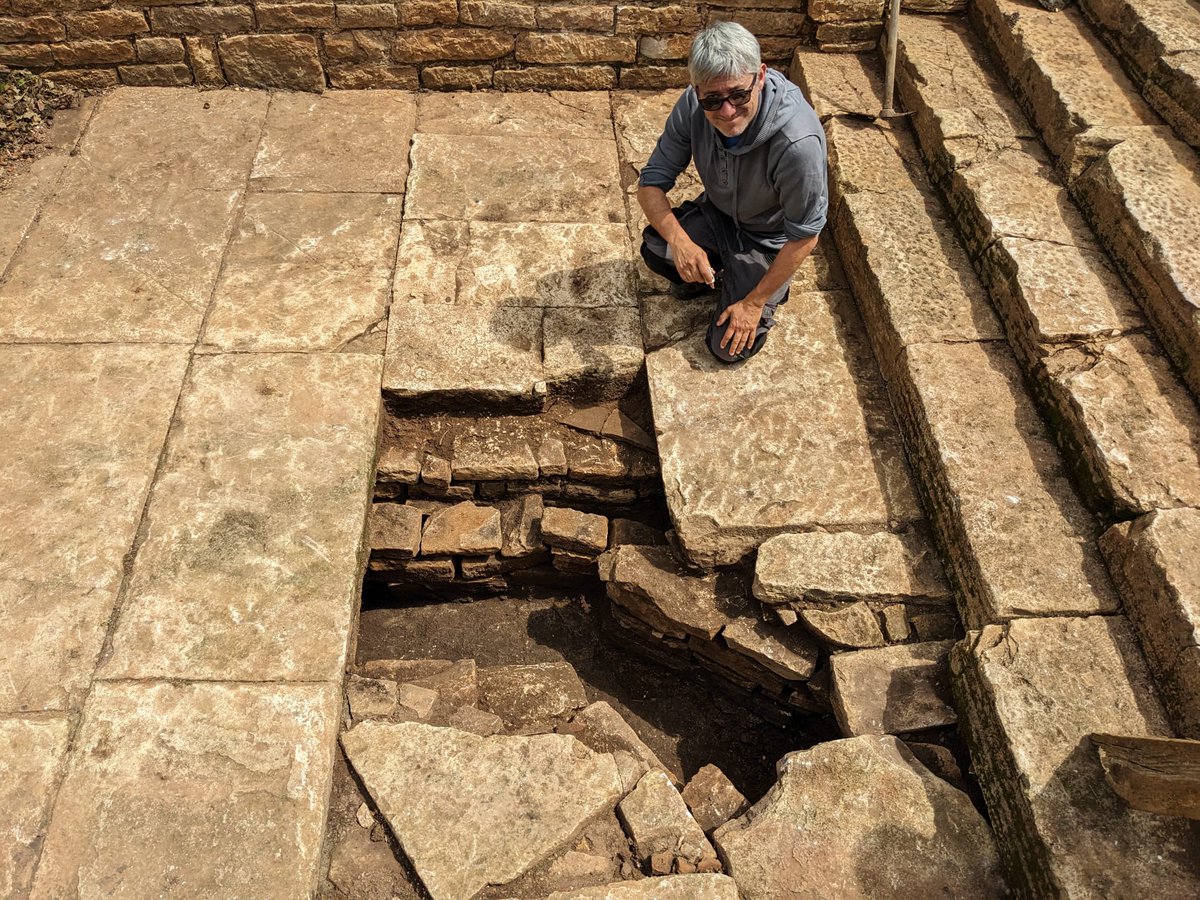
691 262
743 318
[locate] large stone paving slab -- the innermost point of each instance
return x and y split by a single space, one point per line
505 178
306 272
342 141
776 444
249 563
194 790
82 428
32 759
50 639
580 115
118 260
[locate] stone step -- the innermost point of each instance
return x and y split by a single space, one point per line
1159 46
1060 828
1134 180
1124 420
1154 560
1015 536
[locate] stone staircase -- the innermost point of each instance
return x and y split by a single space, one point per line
967 184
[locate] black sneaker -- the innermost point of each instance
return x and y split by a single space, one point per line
689 290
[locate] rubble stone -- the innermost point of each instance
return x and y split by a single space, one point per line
462 528
493 450
712 798
851 625
788 653
530 696
476 721
604 730
370 698
671 887
394 529
528 796
891 690
522 529
580 532
658 820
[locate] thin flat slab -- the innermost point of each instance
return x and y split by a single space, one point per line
249 565
82 428
306 272
32 761
514 264
669 887
470 811
22 199
118 260
50 639
776 444
1062 831
1159 775
204 140
511 179
215 790
580 115
1155 560
342 141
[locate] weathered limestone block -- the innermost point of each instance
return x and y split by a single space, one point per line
1155 563
462 528
1027 722
790 654
476 721
876 823
891 690
371 698
629 531
521 523
712 798
658 820
559 114
288 61
849 625
670 887
470 811
819 568
493 450
31 767
531 696
457 78
580 532
222 769
439 44
552 78
845 10
575 48
601 727
655 588
812 462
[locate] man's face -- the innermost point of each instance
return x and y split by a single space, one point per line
730 119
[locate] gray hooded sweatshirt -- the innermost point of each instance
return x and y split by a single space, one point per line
772 184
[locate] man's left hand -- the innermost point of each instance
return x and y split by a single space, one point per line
743 318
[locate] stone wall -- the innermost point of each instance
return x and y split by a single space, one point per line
438 44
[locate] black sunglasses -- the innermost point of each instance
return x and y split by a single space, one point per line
738 98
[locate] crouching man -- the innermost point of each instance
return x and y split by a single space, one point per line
760 152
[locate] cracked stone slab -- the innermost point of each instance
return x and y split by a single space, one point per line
656 818
249 566
528 797
306 272
1027 726
575 115
50 639
1020 541
801 455
876 823
216 789
203 140
892 690
1154 559
526 264
114 259
341 141
82 428
31 766
22 199
491 178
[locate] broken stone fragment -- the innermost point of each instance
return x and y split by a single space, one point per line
699 605
494 450
573 563
834 567
578 532
364 817
403 669
470 811
712 798
891 690
938 760
630 769
462 529
895 623
521 526
853 625
457 684
400 464
630 531
590 419
476 721
413 701
394 530
603 729
658 821
371 698
573 870
670 887
790 654
531 697
876 823
620 427
435 471
420 571
552 457
474 567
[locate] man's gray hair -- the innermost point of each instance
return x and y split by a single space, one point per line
723 50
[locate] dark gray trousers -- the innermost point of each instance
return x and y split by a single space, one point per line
739 262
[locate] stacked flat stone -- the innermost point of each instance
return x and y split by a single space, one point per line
846 26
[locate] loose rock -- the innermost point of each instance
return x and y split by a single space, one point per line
462 528
674 887
657 819
712 798
531 696
892 689
578 532
850 626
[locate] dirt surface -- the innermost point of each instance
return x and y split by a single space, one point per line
28 103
